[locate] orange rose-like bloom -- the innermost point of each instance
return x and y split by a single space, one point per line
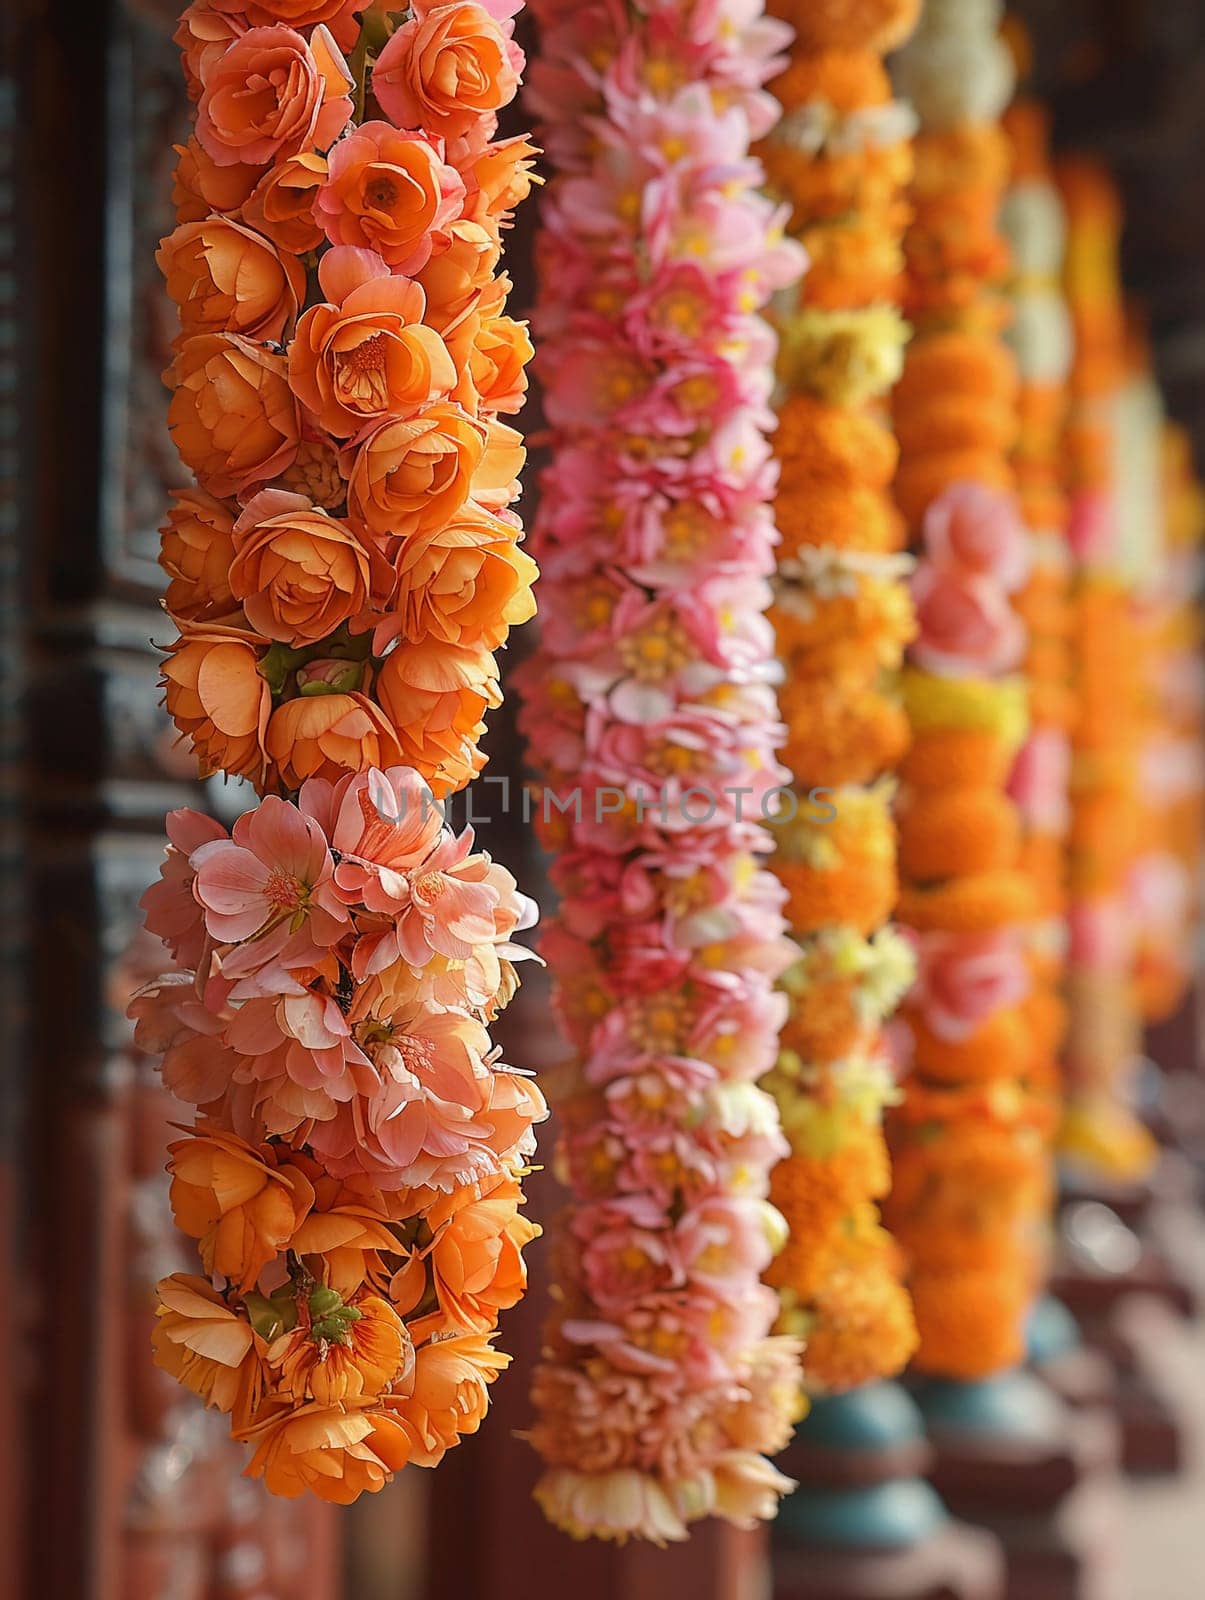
336 1454
466 583
282 203
504 174
337 14
450 1395
369 356
475 1261
206 1346
225 278
445 69
203 35
200 186
271 94
299 572
500 353
195 550
314 472
436 696
217 698
232 416
413 473
454 279
374 1352
236 1199
328 735
388 191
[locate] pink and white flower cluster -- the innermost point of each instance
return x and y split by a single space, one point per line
650 706
337 961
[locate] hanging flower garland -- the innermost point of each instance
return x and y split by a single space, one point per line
968 1139
340 578
1104 1045
841 158
652 722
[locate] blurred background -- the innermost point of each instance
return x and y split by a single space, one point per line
112 1482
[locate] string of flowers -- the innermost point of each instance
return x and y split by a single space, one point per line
651 720
841 158
340 578
970 1170
1040 337
1100 1130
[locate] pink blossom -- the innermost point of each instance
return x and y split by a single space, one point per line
965 625
172 912
964 979
978 531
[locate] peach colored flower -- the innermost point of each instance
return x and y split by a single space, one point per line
339 15
216 697
965 624
222 277
232 416
466 583
446 68
348 1227
500 178
340 1359
204 34
436 696
390 192
336 1454
299 572
455 279
621 1504
172 913
195 550
272 94
200 187
748 1488
206 1346
474 1261
281 205
383 825
450 1395
240 1201
500 354
367 355
412 473
328 735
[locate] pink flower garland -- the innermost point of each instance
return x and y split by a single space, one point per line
651 716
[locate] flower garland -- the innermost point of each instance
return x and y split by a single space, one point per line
841 158
1099 1129
651 720
968 1145
340 578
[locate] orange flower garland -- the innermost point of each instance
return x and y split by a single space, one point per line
340 578
968 1139
841 158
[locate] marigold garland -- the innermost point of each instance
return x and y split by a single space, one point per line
340 578
842 158
651 719
971 1168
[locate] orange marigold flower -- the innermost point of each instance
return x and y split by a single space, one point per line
843 518
1001 1047
240 1201
327 735
849 736
195 550
206 1346
973 365
957 758
436 697
970 1323
847 79
299 572
822 443
954 423
216 697
974 904
224 277
960 831
877 25
861 1325
918 483
232 416
336 1454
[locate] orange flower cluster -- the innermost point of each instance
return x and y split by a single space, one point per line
841 159
340 577
348 564
968 1138
1104 1038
